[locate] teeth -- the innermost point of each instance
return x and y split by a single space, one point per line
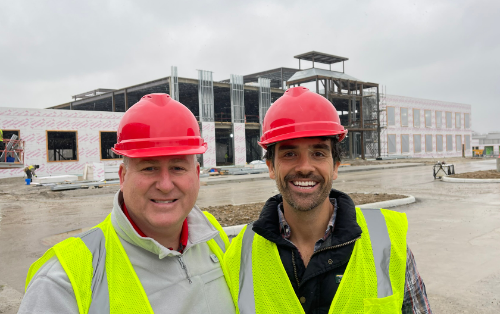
304 183
163 202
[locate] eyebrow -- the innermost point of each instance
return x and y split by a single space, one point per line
287 146
321 146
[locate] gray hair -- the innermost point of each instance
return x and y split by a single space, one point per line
125 161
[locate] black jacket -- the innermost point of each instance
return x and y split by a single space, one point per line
316 285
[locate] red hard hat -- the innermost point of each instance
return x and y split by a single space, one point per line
157 125
300 113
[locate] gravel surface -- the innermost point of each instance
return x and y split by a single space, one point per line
230 215
486 174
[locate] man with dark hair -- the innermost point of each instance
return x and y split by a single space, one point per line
312 250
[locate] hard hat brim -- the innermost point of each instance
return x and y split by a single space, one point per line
301 130
162 151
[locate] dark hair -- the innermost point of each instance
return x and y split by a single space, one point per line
336 149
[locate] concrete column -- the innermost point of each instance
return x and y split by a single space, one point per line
208 134
498 164
239 144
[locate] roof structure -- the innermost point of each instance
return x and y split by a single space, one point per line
275 75
92 93
313 72
320 57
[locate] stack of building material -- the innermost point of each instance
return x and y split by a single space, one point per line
54 179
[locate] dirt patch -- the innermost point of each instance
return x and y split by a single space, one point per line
362 198
230 215
486 174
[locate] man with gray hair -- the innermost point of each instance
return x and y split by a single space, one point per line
156 251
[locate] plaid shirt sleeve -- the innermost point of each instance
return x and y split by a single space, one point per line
415 297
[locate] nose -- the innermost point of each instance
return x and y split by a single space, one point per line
164 182
304 165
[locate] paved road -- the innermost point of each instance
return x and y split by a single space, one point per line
454 230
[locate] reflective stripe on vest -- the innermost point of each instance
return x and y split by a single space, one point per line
246 301
378 235
95 241
96 290
381 247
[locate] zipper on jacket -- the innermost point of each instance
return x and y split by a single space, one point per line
295 269
323 249
183 266
337 246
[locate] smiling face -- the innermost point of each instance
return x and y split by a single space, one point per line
304 171
159 192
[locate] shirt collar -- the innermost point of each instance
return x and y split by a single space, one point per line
182 239
285 227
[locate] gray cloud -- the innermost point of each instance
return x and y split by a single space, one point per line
446 50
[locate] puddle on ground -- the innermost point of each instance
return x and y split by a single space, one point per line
56 238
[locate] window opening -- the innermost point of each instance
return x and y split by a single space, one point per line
108 140
62 146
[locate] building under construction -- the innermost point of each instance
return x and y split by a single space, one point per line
245 100
64 138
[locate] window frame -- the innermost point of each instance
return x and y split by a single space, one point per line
437 147
451 135
393 107
401 117
401 138
415 109
100 147
414 151
430 118
428 151
459 116
60 131
469 137
11 130
446 120
440 119
458 149
395 144
466 121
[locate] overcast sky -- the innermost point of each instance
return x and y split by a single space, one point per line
442 50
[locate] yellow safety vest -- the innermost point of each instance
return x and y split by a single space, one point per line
1 136
126 294
372 283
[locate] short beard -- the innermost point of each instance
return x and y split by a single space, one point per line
318 199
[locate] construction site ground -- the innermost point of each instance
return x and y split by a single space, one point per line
454 230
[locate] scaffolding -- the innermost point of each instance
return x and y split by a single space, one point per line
356 101
206 96
12 156
264 97
237 99
383 122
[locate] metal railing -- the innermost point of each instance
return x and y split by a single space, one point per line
13 149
